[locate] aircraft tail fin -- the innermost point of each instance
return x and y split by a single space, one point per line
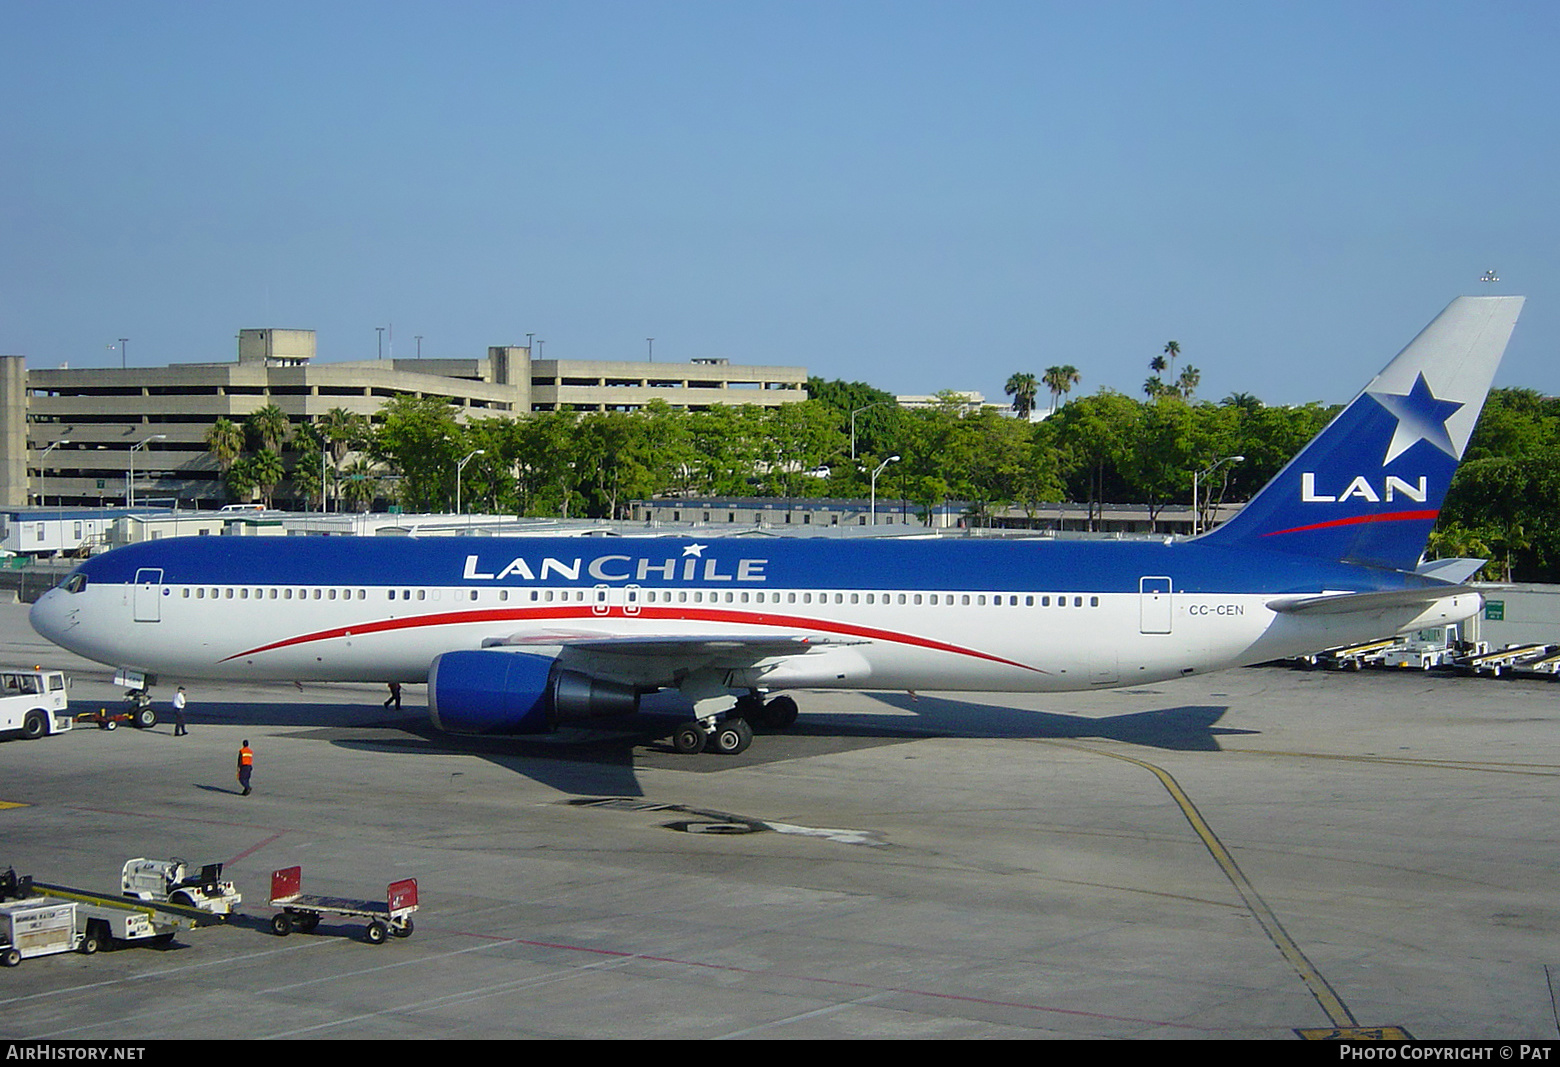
1368 488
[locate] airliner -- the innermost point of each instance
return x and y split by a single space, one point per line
522 635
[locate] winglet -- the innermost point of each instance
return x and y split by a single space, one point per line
1368 488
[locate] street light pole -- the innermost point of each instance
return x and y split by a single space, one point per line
1196 475
43 471
880 466
130 481
460 467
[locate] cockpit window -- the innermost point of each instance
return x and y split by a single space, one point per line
75 583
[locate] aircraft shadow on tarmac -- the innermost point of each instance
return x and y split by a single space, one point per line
602 758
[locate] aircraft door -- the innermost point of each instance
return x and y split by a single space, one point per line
1154 605
148 594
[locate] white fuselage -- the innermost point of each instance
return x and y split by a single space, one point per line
920 638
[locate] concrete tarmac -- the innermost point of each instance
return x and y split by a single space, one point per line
1262 853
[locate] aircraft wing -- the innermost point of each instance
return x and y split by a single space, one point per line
661 660
676 646
1348 603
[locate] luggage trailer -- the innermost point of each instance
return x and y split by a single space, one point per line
302 912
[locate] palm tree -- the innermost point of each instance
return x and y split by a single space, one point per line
361 484
225 443
1060 381
269 426
1172 349
267 472
1023 389
340 431
1191 377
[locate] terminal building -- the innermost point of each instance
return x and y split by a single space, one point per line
103 436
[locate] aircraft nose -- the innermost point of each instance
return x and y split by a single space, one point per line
47 615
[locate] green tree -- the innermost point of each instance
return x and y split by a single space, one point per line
268 427
225 442
1188 382
1023 388
420 439
1060 381
308 476
876 413
1093 438
361 483
267 470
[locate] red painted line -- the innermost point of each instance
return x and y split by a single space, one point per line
256 847
586 611
1395 516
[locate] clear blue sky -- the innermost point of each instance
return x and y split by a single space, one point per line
919 195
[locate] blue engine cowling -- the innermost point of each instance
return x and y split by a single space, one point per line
492 692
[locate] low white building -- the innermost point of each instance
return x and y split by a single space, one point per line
61 531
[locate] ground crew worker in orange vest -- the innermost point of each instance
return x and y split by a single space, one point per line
246 763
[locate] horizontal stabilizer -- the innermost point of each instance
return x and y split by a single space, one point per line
1349 603
1455 571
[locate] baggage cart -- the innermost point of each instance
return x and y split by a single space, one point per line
302 912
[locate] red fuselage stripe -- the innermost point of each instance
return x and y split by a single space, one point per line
1396 516
586 611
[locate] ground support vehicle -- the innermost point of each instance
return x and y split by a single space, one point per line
1353 657
1438 646
303 912
34 914
1495 663
1547 663
103 719
33 925
172 882
109 919
105 925
37 926
33 702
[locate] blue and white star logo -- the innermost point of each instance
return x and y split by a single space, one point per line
696 550
1421 417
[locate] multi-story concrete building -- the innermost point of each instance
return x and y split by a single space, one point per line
126 435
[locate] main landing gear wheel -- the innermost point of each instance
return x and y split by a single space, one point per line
731 737
689 739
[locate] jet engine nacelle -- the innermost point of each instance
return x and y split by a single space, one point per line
492 692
